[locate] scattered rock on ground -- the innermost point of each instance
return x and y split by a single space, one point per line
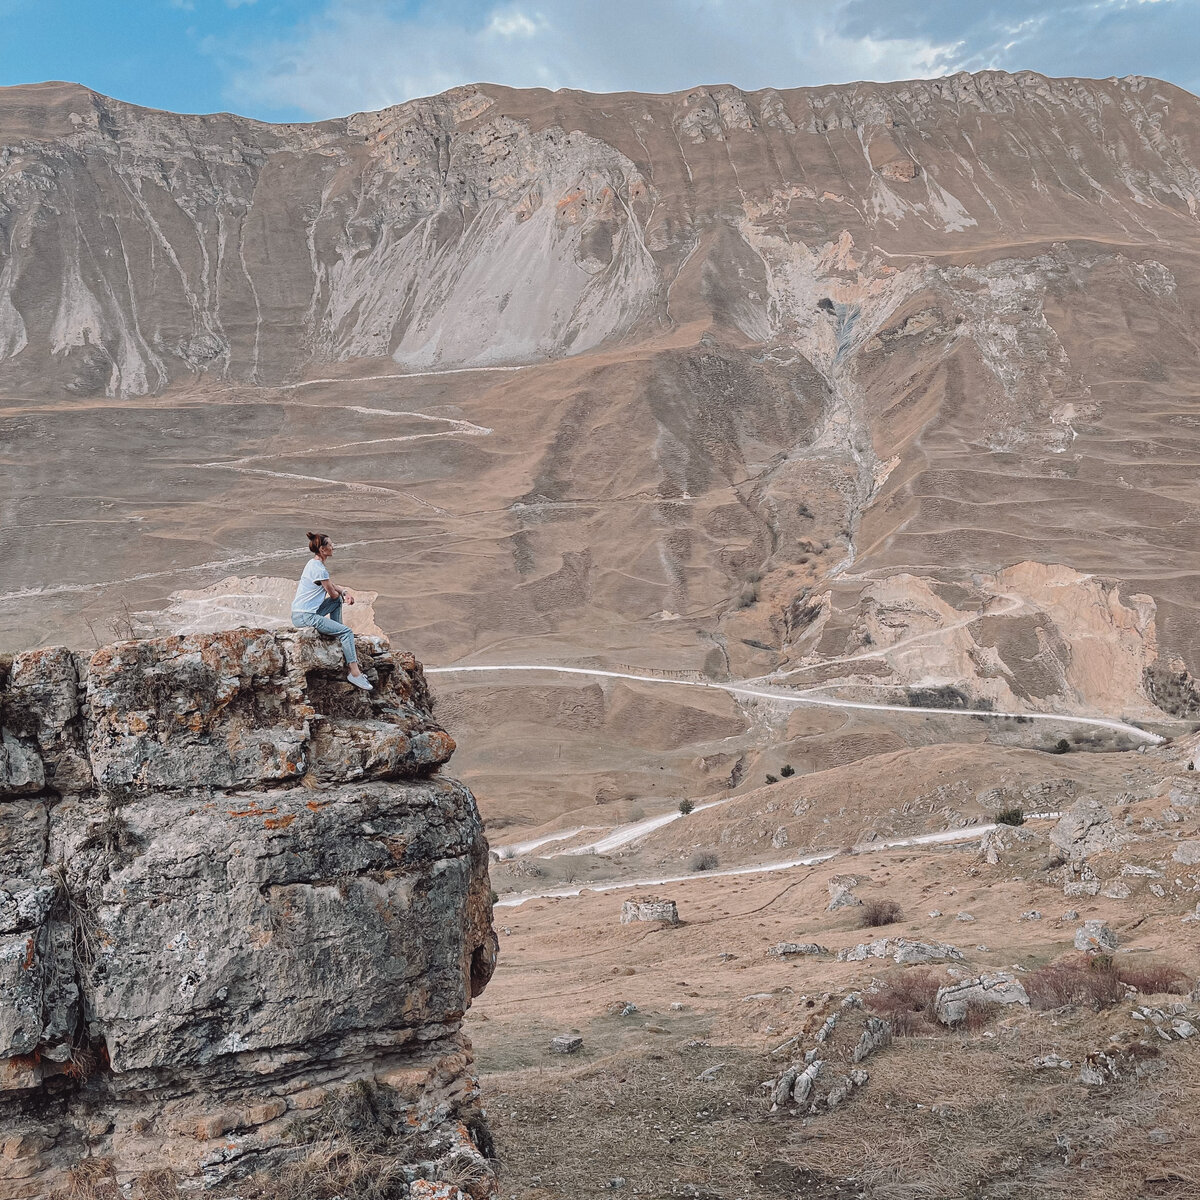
903 950
790 949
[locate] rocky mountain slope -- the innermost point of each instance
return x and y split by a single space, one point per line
494 226
241 912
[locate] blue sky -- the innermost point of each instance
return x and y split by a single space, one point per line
308 59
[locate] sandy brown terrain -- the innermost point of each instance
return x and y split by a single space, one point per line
944 1113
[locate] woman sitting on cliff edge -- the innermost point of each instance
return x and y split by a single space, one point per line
318 603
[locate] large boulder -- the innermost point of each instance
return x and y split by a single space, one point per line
1088 828
649 908
230 885
954 1002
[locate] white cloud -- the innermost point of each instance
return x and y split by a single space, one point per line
513 24
364 54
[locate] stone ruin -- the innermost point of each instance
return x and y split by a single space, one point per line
234 891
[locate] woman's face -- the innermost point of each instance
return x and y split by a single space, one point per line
326 550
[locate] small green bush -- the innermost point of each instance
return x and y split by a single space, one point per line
772 778
1062 746
686 806
1010 816
787 771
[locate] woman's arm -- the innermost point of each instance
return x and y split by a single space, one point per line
334 592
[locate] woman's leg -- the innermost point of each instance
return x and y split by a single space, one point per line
343 633
331 607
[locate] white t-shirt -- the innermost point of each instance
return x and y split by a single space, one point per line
310 595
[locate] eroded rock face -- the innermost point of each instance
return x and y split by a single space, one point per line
230 886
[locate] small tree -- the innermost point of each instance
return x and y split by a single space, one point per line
686 806
772 778
787 770
1062 746
1010 816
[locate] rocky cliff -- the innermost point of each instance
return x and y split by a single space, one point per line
241 914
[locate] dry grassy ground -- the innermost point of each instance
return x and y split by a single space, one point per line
945 1113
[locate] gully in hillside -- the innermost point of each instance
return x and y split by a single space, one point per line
318 603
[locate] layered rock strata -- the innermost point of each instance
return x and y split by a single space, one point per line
233 892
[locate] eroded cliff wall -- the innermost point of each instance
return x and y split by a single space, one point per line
231 889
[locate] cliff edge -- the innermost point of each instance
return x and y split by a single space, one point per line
241 917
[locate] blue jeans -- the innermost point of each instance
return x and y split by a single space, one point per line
328 620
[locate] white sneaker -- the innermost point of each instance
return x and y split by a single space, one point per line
360 681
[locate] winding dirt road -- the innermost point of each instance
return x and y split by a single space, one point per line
946 836
783 696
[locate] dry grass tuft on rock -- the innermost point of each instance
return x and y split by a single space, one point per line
332 1171
879 912
92 1179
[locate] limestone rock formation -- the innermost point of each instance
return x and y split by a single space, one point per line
231 888
1088 828
905 951
1000 987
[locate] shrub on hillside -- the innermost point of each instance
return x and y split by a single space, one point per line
1079 982
1153 979
686 806
772 778
905 1000
1010 816
705 860
787 771
879 912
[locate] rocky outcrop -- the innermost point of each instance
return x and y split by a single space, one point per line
953 1003
233 892
903 950
1088 828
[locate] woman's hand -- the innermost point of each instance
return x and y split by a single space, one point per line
349 595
